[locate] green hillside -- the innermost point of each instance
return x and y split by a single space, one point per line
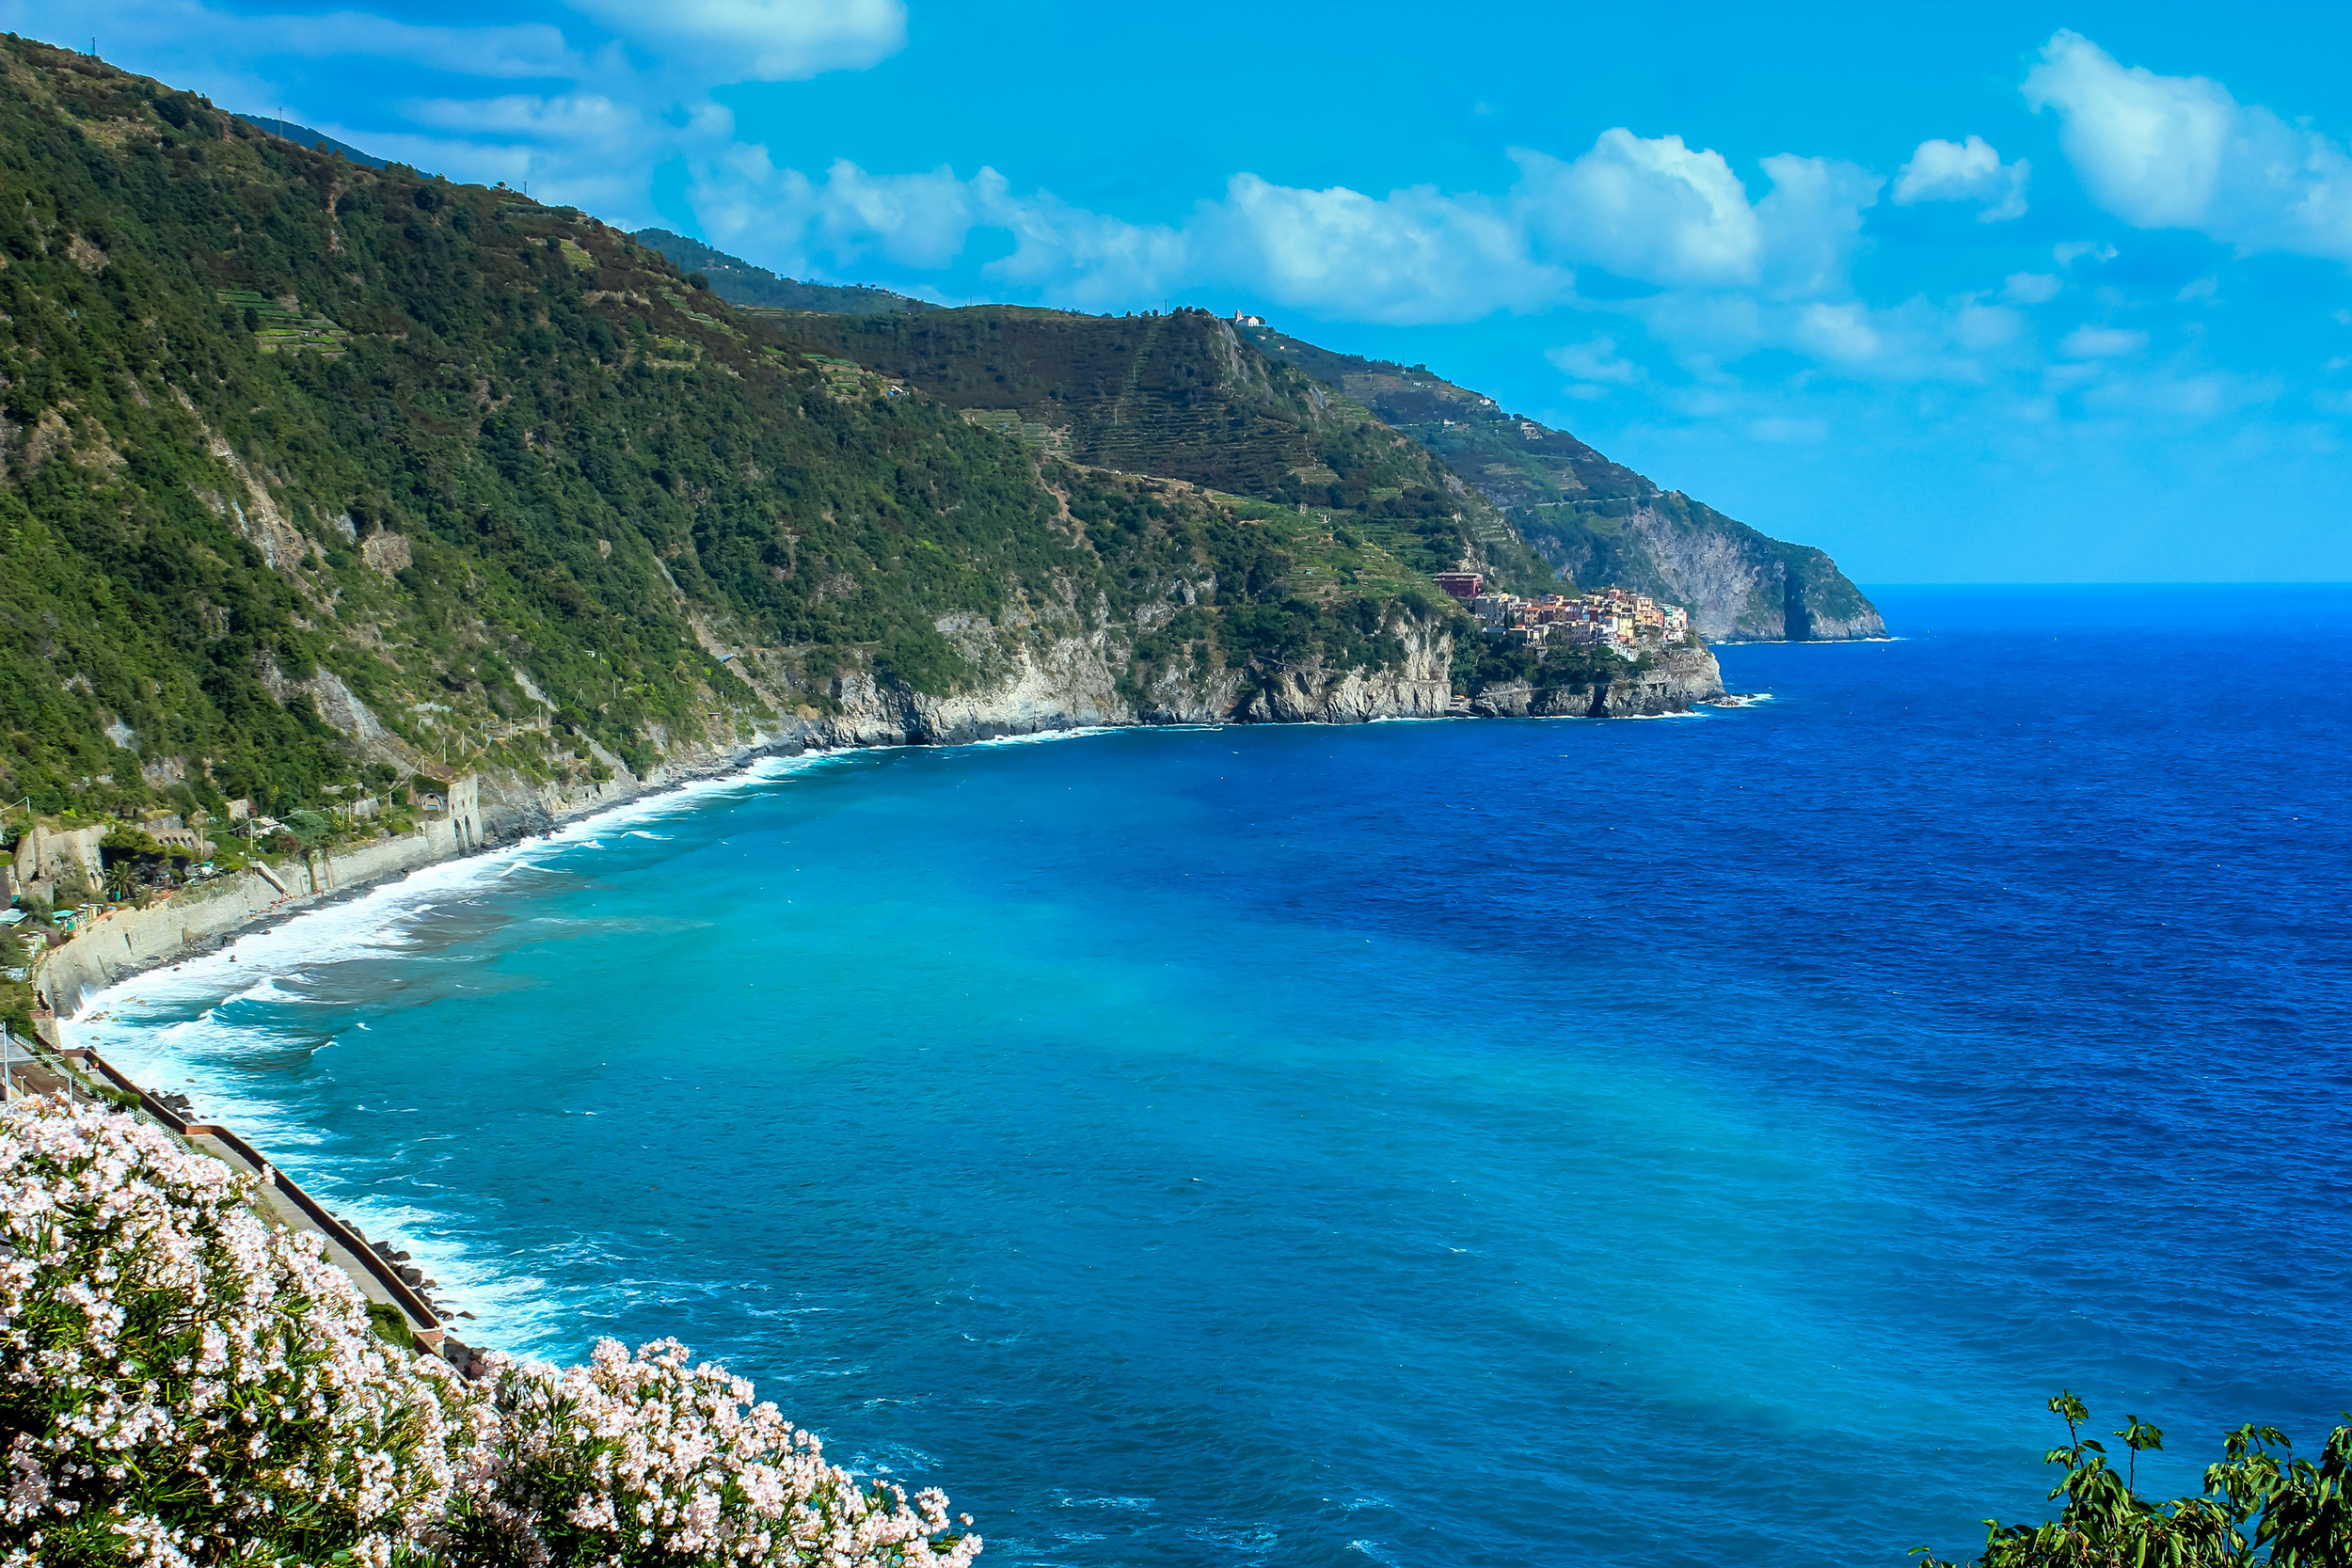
313 474
303 136
1182 396
755 288
1436 473
1596 520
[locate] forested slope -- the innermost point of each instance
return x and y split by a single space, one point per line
752 288
310 471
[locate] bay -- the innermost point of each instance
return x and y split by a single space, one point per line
1672 1141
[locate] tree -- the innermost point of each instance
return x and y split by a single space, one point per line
2300 1512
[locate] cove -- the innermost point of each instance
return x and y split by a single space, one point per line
1667 1141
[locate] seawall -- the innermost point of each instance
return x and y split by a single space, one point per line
124 942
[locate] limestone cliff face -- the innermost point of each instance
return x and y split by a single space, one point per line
1682 677
1033 686
1741 584
1067 686
1073 686
1419 687
1071 682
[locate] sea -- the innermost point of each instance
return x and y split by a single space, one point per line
1686 1141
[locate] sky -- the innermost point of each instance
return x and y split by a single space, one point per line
1983 294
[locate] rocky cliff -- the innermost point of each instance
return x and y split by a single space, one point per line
1073 683
1677 681
1738 583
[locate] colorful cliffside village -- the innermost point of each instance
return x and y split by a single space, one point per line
1607 617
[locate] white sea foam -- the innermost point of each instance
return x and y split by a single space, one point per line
1083 733
380 918
132 1024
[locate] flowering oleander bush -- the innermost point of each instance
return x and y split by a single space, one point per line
647 1460
180 1384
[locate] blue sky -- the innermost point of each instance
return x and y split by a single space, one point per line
1986 293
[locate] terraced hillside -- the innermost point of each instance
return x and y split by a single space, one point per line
1182 396
1175 395
1596 520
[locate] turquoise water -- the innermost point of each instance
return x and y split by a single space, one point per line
1683 1141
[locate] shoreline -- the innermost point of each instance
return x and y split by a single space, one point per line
284 909
87 977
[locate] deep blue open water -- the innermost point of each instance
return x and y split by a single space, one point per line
1689 1141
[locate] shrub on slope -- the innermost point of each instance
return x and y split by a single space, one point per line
2260 1508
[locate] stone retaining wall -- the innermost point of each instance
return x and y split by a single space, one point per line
124 941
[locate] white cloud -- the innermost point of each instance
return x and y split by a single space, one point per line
1597 364
1811 223
1840 333
1962 341
1649 209
1414 255
2172 393
1658 211
1979 327
1089 261
2029 288
1964 171
845 217
2101 342
186 30
759 41
2149 149
2067 252
912 220
2181 152
584 108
